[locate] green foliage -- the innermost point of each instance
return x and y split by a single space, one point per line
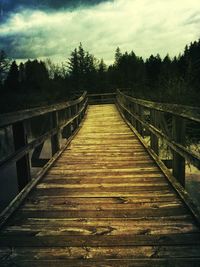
36 82
82 69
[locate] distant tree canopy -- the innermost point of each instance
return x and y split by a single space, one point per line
168 80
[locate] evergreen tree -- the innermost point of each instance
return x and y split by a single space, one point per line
118 56
102 81
12 80
21 73
153 67
36 76
82 70
73 69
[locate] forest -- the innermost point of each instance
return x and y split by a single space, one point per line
35 82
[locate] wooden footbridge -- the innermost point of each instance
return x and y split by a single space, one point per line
105 198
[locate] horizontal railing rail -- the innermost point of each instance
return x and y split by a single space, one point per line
105 98
13 117
187 112
63 120
147 116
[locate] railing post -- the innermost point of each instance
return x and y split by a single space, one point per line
75 122
154 139
77 110
134 121
178 135
131 110
23 164
140 113
67 131
55 139
136 112
128 114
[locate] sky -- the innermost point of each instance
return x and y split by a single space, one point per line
53 28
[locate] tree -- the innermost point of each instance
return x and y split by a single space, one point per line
153 67
102 81
21 73
73 69
4 67
82 69
36 75
118 56
12 80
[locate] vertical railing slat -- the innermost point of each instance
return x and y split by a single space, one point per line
55 142
23 164
153 138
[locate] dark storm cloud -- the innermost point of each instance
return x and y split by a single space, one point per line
10 6
24 45
54 28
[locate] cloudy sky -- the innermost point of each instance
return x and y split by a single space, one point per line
53 28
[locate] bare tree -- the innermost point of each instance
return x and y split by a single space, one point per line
4 66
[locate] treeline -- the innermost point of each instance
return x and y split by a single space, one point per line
31 84
37 82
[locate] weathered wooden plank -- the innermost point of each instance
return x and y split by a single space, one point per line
84 206
97 253
115 176
137 194
61 227
92 180
100 240
128 187
79 231
101 191
56 200
131 171
107 158
171 220
125 213
178 262
109 165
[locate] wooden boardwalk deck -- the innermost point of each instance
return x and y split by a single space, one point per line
105 202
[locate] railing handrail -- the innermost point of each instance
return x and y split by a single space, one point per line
102 94
21 152
183 111
21 115
74 112
192 157
134 111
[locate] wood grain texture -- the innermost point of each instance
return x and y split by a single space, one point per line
105 202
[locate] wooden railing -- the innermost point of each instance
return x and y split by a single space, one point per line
163 122
106 98
61 121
